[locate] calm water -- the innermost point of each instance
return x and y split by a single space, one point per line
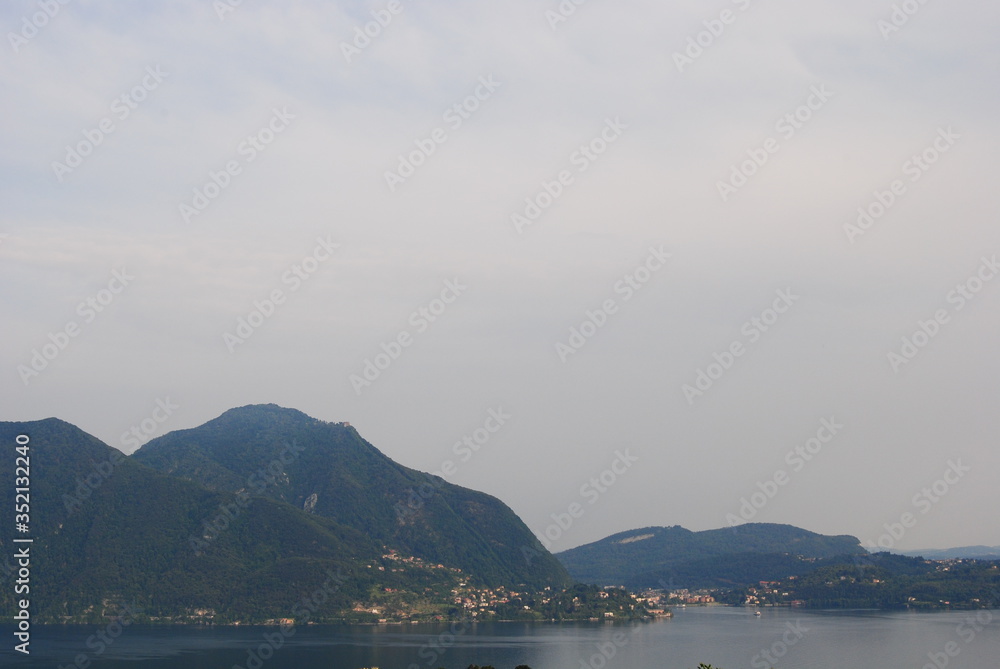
725 637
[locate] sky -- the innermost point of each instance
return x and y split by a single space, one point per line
678 263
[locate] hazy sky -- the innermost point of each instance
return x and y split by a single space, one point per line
168 166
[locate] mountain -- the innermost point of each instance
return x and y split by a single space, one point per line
328 471
674 557
110 531
964 553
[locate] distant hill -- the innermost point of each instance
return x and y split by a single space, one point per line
659 557
966 552
881 581
333 473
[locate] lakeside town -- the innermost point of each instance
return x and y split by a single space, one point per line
452 596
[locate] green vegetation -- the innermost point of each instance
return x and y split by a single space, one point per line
579 602
743 566
109 533
112 533
332 472
216 533
883 581
673 557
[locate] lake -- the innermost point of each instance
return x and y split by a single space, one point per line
728 638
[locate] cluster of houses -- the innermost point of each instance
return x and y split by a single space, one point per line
412 561
681 597
471 599
768 593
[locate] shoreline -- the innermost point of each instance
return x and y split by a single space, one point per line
274 624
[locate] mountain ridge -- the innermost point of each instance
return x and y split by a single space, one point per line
651 556
957 553
110 531
335 473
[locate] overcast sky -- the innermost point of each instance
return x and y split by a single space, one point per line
167 166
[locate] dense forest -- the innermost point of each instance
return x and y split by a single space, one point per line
675 557
245 520
882 581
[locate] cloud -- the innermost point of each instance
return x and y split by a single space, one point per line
325 175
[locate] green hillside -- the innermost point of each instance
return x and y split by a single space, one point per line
883 581
660 556
110 531
333 473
